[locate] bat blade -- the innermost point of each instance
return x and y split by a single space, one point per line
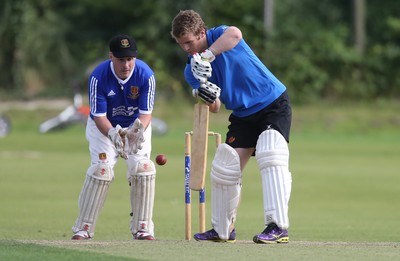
199 144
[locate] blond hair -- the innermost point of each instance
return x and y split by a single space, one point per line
187 21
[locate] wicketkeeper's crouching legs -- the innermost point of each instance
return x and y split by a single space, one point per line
91 199
141 178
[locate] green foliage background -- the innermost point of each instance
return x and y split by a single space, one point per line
48 46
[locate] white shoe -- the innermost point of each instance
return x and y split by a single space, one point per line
81 235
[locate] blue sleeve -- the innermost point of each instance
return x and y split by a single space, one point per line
97 97
147 85
214 33
147 97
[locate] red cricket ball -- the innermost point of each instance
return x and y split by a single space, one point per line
161 159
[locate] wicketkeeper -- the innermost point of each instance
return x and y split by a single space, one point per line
222 68
121 98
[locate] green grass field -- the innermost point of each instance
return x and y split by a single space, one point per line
344 203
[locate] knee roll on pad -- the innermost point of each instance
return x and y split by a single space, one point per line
272 149
142 167
272 156
142 191
101 171
226 186
92 196
226 166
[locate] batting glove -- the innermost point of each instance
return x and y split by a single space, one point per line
207 55
116 139
208 92
201 69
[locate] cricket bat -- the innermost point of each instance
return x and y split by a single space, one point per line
199 144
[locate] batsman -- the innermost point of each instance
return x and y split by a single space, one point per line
223 69
121 98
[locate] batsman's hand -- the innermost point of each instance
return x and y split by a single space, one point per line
201 69
135 137
207 55
208 92
114 134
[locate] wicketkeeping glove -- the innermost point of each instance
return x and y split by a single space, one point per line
201 69
114 134
135 137
208 92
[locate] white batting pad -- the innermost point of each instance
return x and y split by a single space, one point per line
272 156
142 180
93 196
226 178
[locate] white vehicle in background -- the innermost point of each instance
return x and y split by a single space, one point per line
78 113
5 126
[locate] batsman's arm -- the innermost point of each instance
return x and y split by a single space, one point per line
227 41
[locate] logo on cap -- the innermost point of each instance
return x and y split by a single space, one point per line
123 46
125 43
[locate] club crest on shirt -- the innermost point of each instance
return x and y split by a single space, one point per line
134 93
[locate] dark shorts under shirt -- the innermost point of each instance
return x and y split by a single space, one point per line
244 132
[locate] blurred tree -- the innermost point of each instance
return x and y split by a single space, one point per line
313 51
147 21
359 25
36 51
8 31
268 15
48 45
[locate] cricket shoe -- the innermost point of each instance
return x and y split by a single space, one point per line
272 234
212 235
141 235
81 235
